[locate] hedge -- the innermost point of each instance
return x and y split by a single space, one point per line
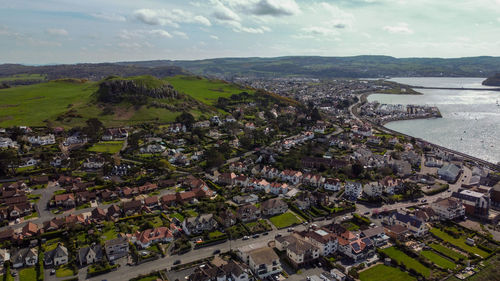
211 242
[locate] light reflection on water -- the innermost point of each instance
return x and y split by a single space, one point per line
471 119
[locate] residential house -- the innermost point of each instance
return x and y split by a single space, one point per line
273 206
397 232
228 217
93 163
325 240
475 203
377 235
332 184
113 212
132 207
116 248
248 213
199 224
416 226
448 208
177 128
230 271
42 140
278 188
264 262
115 134
89 255
148 237
352 190
227 178
246 199
449 173
299 251
56 257
66 200
24 257
354 247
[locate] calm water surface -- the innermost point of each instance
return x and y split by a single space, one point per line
471 119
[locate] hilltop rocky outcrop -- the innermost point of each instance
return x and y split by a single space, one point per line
116 90
493 80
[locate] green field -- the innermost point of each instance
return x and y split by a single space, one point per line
459 242
207 91
285 220
28 274
23 77
439 260
31 105
383 273
111 147
408 261
447 251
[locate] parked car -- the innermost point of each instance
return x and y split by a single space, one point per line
290 229
177 262
52 271
216 252
246 237
265 233
277 235
256 236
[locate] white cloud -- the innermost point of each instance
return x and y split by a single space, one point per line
109 17
161 33
214 37
275 8
498 19
180 34
320 30
238 27
224 13
57 31
169 17
400 28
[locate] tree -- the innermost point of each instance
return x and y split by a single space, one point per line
93 129
187 119
214 158
357 168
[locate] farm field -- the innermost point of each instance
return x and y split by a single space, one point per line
383 272
408 261
439 260
459 242
23 77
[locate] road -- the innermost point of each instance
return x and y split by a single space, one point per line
129 272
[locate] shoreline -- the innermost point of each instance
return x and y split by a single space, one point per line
363 99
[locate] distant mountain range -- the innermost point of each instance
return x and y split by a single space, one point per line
335 67
299 66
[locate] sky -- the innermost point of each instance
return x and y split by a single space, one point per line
63 31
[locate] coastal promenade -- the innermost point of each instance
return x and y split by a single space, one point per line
363 99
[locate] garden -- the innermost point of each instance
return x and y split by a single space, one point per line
407 261
285 220
383 272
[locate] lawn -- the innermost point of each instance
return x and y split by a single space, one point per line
177 216
191 213
64 271
447 251
285 220
215 234
204 90
27 274
408 261
459 242
111 147
383 272
439 260
109 234
33 215
258 226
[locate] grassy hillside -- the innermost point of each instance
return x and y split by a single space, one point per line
71 102
204 90
31 105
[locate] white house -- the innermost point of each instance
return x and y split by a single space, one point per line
448 208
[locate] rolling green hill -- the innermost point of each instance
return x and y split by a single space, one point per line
70 102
